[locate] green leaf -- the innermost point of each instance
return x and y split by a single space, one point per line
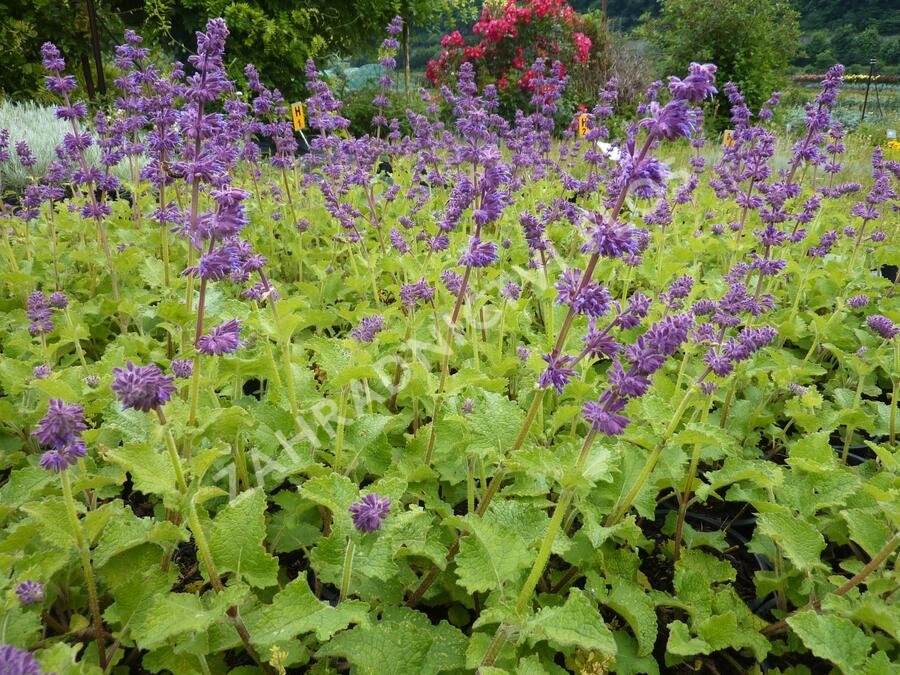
295 611
151 470
681 643
494 423
636 607
20 486
404 642
491 556
236 540
628 661
867 528
61 658
577 623
812 452
181 615
801 541
833 638
123 532
718 630
333 491
53 519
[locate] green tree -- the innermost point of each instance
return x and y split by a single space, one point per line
868 46
421 13
751 41
26 24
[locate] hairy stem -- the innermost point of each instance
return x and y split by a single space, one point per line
84 550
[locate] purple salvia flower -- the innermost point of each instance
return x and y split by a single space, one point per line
14 661
858 301
58 300
604 421
30 592
479 254
368 327
883 326
23 152
369 512
523 353
452 281
41 372
511 291
411 294
697 86
39 313
182 368
218 263
797 389
610 239
61 424
398 242
674 120
223 339
92 381
557 373
143 388
60 459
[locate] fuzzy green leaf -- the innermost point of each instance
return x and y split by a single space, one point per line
833 638
800 540
404 642
295 611
236 540
576 623
636 607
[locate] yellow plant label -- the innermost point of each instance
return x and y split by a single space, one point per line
298 116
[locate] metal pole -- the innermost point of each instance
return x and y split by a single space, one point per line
868 84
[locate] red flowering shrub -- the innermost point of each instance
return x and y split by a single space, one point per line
511 37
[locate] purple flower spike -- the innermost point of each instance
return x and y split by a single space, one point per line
54 461
603 421
368 327
557 373
883 326
696 86
15 661
452 281
611 239
41 372
370 511
58 300
671 121
858 301
183 368
511 291
39 313
30 592
143 388
223 339
480 253
61 425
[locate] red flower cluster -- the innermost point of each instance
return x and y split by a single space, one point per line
503 32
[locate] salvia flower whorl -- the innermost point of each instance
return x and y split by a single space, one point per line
30 592
14 661
61 425
223 339
369 512
143 388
